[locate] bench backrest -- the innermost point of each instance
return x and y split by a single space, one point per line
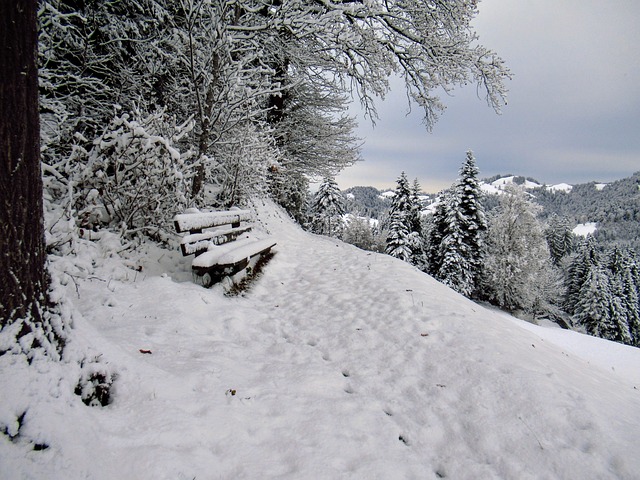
195 222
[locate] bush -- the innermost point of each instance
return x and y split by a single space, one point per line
134 178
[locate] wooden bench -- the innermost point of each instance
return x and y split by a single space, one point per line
221 242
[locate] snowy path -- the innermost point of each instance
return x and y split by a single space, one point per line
343 364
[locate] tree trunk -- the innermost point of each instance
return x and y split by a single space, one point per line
23 280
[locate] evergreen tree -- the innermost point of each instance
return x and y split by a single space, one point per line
472 215
595 307
560 238
586 257
625 293
401 201
399 236
456 270
459 225
436 232
327 210
417 241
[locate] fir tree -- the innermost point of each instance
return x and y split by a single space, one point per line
398 238
624 291
559 237
595 306
436 232
327 209
460 223
586 257
416 236
456 271
472 215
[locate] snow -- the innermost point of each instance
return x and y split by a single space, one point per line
196 221
388 194
336 363
584 229
232 252
504 181
490 189
560 187
600 186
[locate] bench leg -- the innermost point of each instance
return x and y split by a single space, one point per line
207 280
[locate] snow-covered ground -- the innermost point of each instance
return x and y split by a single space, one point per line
336 363
560 187
584 229
498 186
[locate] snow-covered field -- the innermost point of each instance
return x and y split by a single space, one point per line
336 363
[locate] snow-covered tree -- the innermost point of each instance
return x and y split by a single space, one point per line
456 269
595 307
585 258
417 239
25 322
436 230
358 232
290 189
517 271
311 128
283 70
560 238
327 210
471 213
624 289
456 238
399 238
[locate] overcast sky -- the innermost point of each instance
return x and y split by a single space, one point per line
573 112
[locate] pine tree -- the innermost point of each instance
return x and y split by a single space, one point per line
327 209
560 238
474 223
417 241
624 291
460 223
436 231
586 257
399 237
595 307
456 270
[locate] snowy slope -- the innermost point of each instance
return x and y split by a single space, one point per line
337 363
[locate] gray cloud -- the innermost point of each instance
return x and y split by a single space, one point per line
573 112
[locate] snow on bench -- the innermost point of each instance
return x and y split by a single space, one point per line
220 252
197 221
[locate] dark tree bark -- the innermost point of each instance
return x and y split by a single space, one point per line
23 280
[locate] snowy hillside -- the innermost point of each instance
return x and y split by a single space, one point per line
337 363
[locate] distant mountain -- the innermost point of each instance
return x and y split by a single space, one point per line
614 207
371 202
366 201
